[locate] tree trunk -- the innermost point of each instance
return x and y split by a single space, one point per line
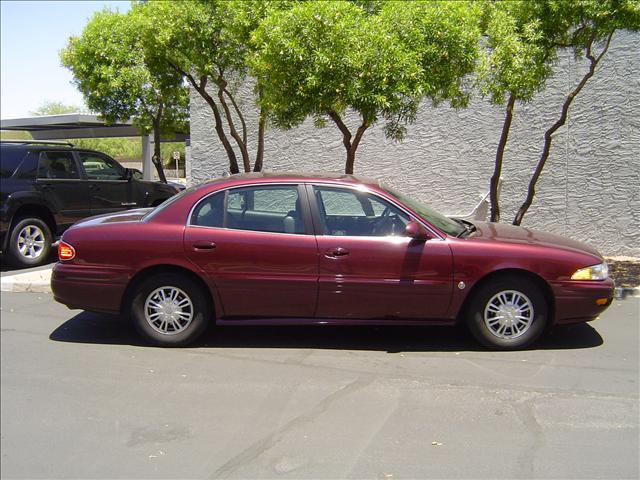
548 135
200 87
497 167
157 155
260 152
350 146
242 145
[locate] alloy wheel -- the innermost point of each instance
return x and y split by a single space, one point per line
508 314
168 310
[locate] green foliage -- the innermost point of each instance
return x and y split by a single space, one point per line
523 38
57 108
584 21
187 36
519 51
112 72
322 57
444 36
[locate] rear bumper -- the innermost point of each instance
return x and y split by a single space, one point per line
93 288
576 301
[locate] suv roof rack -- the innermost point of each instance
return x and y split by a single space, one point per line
37 142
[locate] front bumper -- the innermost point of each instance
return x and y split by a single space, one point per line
93 288
581 301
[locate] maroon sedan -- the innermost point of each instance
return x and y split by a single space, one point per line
295 249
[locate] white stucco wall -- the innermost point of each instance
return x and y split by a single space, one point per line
590 189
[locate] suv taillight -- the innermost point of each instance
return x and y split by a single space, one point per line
65 251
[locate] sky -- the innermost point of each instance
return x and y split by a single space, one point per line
32 33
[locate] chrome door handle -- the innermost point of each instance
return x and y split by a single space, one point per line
203 245
336 252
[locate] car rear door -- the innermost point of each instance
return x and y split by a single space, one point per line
257 247
368 268
109 187
62 186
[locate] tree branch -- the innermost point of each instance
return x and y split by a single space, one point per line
497 167
548 135
222 84
239 114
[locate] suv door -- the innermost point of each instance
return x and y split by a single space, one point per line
257 247
368 268
62 186
109 187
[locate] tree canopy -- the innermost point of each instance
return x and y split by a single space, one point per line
320 59
118 81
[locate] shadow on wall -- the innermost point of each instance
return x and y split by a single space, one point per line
96 328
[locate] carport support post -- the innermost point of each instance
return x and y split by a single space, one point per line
146 157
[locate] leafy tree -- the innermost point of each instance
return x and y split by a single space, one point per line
444 36
520 47
56 108
591 26
206 43
320 59
117 79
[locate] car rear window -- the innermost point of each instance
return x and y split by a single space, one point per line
10 159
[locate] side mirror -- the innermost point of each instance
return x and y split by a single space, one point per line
128 174
416 231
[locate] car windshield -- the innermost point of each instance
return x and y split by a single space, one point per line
446 224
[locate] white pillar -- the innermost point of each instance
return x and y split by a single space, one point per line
187 161
147 151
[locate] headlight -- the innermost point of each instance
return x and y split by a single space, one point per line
594 272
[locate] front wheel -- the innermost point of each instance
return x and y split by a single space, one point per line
170 310
508 313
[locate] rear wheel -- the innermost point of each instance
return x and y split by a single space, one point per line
508 313
170 310
29 243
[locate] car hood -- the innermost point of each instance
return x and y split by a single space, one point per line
513 234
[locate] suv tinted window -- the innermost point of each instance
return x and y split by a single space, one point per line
360 214
98 167
57 165
262 208
10 158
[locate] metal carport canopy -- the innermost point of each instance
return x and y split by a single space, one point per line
80 125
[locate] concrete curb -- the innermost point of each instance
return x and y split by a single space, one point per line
36 282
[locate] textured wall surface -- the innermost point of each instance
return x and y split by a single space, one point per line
589 190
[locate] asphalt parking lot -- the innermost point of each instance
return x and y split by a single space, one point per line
82 398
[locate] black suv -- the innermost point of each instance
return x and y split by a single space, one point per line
48 186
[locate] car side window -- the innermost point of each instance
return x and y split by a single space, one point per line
98 167
262 208
347 212
57 165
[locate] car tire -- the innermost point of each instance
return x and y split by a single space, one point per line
29 243
170 310
508 313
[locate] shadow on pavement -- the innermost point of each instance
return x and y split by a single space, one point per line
94 328
5 267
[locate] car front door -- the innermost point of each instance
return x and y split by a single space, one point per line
368 268
62 186
257 247
109 187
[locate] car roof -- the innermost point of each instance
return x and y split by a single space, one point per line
298 177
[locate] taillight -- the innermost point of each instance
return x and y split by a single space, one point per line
66 251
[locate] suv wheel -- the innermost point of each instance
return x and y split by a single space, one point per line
29 243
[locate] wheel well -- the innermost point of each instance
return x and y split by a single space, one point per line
142 275
539 281
157 202
39 211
